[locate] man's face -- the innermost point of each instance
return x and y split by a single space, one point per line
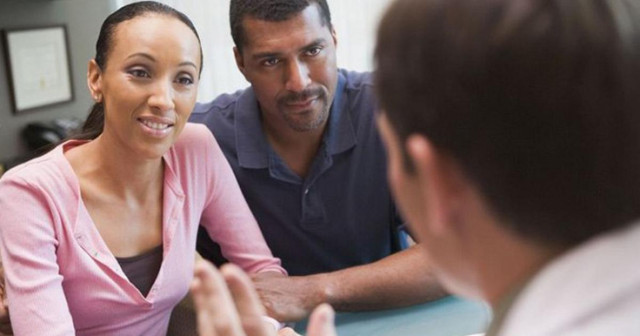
291 66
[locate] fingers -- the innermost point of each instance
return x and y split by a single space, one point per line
216 311
321 321
247 301
242 290
226 303
287 332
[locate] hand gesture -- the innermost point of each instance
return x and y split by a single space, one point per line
228 305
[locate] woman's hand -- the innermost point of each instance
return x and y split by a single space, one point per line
228 305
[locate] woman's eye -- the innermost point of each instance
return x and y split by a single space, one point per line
185 80
139 73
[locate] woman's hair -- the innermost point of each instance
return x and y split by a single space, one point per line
94 124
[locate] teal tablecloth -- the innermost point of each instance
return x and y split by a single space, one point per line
450 316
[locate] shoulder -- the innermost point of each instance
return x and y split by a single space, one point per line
45 169
359 101
46 177
358 93
358 86
222 107
221 116
195 141
193 134
575 300
355 80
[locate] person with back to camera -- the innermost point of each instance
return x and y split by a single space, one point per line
98 236
514 153
304 147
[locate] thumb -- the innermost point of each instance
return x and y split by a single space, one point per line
321 322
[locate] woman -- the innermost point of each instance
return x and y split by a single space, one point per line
98 236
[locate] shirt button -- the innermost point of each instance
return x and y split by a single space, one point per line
306 191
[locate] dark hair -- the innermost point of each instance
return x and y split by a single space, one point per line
269 10
94 124
536 100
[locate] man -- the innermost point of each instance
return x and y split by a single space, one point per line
304 147
514 140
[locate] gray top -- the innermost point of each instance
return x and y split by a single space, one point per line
142 270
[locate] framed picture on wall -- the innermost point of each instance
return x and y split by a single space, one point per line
38 66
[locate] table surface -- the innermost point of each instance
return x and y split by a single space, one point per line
450 316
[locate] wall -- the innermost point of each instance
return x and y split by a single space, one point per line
83 19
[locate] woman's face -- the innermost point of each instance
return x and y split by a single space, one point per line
148 84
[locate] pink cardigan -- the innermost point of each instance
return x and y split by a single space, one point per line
61 278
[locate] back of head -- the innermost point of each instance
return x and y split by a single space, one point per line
95 121
536 100
269 10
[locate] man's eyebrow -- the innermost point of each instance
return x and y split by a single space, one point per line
269 54
314 43
265 55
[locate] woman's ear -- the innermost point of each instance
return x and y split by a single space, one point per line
94 81
439 182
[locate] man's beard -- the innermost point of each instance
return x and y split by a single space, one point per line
292 120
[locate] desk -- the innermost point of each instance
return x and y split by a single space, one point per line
450 316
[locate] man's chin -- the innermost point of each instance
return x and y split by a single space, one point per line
306 120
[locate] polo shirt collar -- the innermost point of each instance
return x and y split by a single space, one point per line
251 142
252 145
340 134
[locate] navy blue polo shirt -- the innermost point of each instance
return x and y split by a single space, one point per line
341 214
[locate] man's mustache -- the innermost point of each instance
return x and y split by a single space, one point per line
302 96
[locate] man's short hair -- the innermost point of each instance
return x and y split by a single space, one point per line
270 10
538 102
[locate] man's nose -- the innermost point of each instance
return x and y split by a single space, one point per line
297 76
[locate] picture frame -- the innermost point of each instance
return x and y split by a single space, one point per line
38 67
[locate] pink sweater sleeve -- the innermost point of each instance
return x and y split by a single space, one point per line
28 247
229 220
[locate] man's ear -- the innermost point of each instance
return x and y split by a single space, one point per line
239 61
334 36
94 81
439 181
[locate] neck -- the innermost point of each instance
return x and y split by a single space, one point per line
296 148
500 260
119 172
509 264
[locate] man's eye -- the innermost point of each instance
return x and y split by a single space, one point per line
314 51
270 62
139 73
